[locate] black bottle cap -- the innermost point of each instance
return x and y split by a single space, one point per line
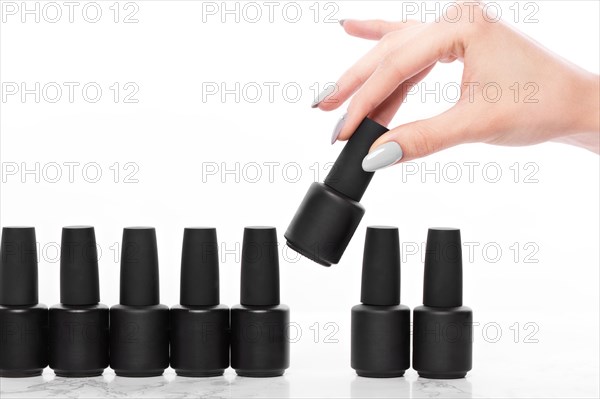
442 285
260 267
381 267
347 175
200 267
79 283
18 267
139 267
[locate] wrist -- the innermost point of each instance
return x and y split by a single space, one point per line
592 108
584 115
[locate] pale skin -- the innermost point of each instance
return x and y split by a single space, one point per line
565 107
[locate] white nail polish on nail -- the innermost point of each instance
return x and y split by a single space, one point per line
338 128
322 95
383 156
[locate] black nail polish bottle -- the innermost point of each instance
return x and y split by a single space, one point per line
443 328
79 324
331 211
199 324
260 345
381 325
139 326
23 321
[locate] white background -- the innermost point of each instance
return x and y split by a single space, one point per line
173 134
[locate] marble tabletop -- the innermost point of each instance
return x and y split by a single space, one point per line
294 384
301 384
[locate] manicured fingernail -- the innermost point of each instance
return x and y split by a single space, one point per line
322 95
341 21
383 156
338 128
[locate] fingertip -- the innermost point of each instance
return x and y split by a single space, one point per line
328 105
382 156
343 136
354 27
350 126
384 138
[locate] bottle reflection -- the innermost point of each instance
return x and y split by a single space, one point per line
451 388
362 387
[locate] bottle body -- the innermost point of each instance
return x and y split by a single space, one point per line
380 340
139 340
78 338
199 339
23 340
442 341
260 345
324 224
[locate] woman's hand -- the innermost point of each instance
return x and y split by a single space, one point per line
558 100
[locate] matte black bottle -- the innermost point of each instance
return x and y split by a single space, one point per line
381 325
199 324
23 321
442 327
330 212
139 326
79 324
260 345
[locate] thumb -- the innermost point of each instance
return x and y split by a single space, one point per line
417 139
